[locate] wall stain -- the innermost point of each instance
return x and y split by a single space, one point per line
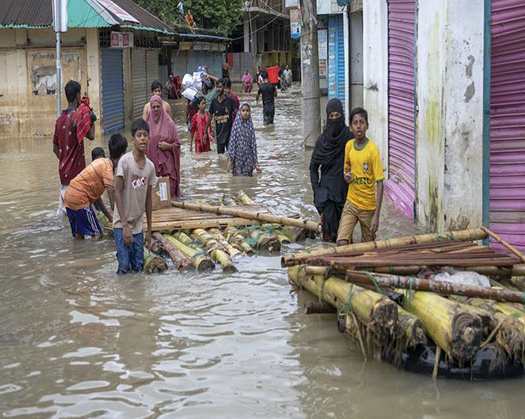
469 66
470 91
432 205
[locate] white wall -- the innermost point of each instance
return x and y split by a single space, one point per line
375 67
449 91
464 115
430 121
449 139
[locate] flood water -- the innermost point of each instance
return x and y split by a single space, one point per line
78 341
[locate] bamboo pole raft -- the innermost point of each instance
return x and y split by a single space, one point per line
434 315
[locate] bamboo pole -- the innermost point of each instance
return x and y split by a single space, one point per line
214 250
153 263
199 259
263 240
251 215
505 244
460 235
180 261
438 287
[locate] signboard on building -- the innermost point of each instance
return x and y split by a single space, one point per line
295 23
328 7
121 40
322 40
291 3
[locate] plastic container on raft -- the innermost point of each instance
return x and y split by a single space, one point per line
273 74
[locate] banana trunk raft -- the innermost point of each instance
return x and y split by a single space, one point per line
203 237
421 302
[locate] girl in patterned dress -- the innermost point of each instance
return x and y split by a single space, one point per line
242 149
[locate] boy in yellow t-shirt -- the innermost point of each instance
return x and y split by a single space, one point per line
364 172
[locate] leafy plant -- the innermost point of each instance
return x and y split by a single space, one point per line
219 15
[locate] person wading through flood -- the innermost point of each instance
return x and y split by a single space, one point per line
330 189
72 126
199 123
164 145
242 150
156 90
221 110
363 170
268 93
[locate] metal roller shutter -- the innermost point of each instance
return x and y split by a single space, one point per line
179 63
401 104
138 74
152 68
336 58
112 90
507 121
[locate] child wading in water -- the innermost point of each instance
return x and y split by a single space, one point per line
199 123
363 170
134 180
242 150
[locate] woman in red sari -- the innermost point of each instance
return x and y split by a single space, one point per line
164 145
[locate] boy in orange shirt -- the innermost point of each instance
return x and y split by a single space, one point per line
87 188
363 171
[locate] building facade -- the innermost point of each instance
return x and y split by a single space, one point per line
112 50
444 84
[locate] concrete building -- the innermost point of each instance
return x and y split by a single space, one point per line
444 84
263 40
111 48
340 37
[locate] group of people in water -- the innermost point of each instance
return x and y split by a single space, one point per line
345 169
129 177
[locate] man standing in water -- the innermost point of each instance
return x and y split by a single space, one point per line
72 126
268 93
221 110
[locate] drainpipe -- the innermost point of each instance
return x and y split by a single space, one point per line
346 33
487 74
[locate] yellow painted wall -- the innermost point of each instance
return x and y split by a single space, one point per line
26 57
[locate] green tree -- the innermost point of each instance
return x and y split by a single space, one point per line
219 15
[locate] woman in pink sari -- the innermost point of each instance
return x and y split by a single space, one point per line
247 82
164 145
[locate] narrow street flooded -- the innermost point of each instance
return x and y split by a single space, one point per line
78 341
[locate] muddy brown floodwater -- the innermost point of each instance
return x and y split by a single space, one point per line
78 341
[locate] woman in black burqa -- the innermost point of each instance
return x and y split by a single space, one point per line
330 188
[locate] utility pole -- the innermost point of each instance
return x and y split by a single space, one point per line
310 73
59 26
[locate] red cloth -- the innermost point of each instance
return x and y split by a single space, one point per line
82 118
163 129
198 128
71 160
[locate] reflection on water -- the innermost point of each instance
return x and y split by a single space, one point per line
77 341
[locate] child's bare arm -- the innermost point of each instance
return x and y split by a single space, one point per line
149 211
379 203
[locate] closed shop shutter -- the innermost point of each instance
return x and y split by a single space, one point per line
195 59
507 121
179 63
140 85
152 67
336 58
112 90
401 104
